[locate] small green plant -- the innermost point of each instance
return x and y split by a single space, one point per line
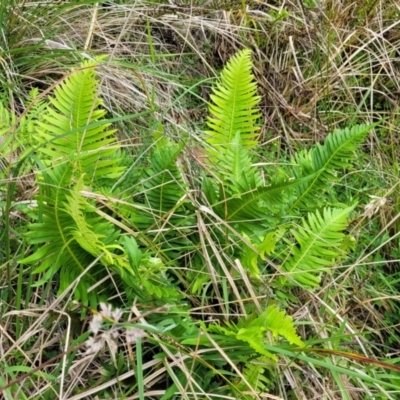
263 210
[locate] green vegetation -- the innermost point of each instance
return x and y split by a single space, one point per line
199 201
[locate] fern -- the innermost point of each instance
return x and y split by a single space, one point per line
149 278
70 234
237 171
163 183
18 136
253 330
76 149
256 204
97 240
74 127
233 105
58 250
255 210
271 320
241 200
29 123
163 192
8 146
322 161
255 375
168 254
232 128
250 258
318 245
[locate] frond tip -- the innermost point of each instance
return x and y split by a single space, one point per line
74 127
322 161
233 105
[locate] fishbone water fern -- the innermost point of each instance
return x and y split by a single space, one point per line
164 215
318 246
266 214
17 135
322 162
76 149
253 330
74 128
245 339
164 251
258 209
233 107
78 155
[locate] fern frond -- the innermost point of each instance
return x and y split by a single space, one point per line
233 106
323 160
255 375
89 238
73 127
58 250
163 194
150 277
235 168
253 330
271 320
319 244
250 257
163 184
256 209
19 136
29 123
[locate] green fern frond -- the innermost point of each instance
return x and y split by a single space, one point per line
58 250
89 238
271 320
235 168
30 122
253 330
255 374
19 136
233 106
250 257
150 277
163 182
322 161
256 209
163 193
74 146
318 245
71 234
74 127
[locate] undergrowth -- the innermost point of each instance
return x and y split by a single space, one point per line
199 200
